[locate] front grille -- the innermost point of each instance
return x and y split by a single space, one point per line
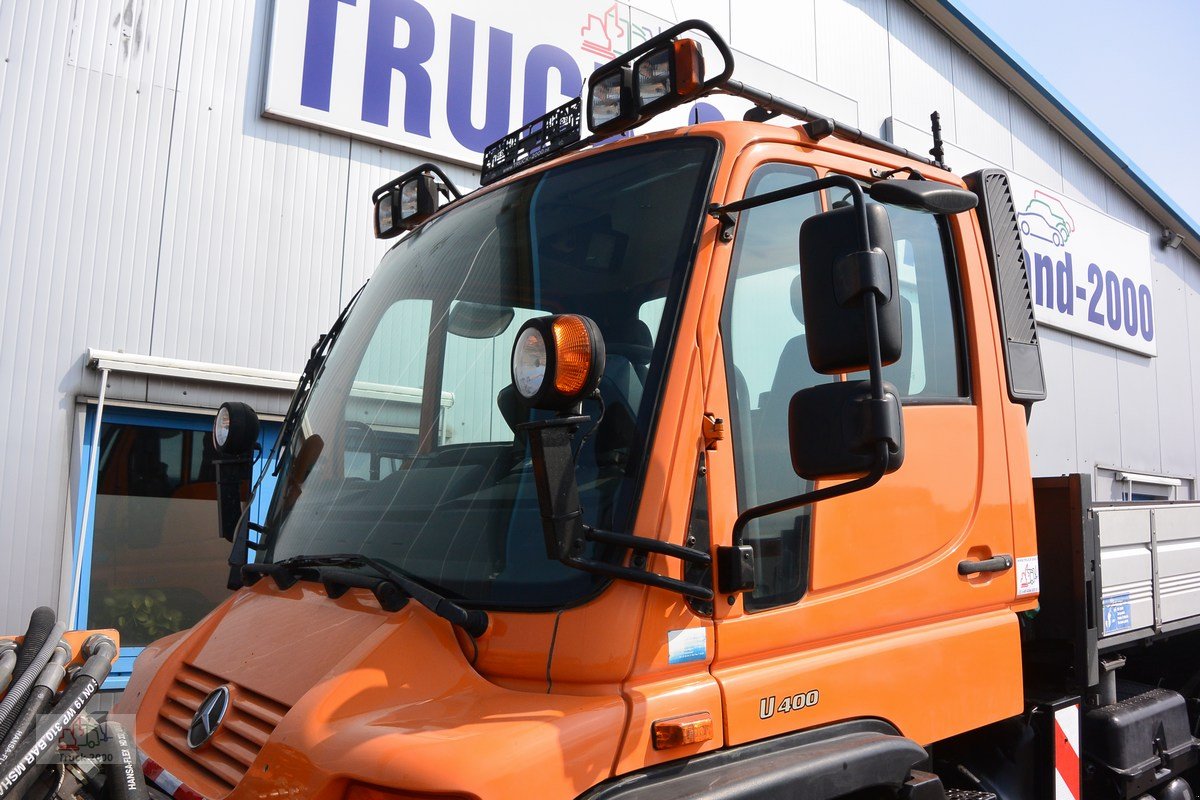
226 757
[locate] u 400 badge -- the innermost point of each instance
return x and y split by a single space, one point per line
767 707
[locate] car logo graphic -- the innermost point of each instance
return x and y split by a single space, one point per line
208 717
1046 218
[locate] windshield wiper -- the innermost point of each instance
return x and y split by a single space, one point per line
335 571
312 370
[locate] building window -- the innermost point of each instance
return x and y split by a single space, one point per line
153 561
1136 487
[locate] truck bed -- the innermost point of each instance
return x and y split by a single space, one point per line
1114 576
1149 569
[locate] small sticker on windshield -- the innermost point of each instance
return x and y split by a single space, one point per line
689 644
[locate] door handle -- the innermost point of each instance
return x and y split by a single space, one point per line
998 563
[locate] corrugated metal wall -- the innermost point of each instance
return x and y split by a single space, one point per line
146 206
1108 408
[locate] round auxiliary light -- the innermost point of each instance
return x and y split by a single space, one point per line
557 361
235 430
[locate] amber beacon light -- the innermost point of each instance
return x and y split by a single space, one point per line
557 361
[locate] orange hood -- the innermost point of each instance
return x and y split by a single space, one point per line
324 692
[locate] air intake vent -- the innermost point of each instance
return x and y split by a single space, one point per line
1010 280
218 766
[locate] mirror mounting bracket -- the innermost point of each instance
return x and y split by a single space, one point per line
882 174
565 533
727 221
864 271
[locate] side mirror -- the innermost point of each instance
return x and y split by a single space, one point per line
836 272
923 195
235 438
835 429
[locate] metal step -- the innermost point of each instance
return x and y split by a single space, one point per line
968 794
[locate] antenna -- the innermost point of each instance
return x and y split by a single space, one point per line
938 151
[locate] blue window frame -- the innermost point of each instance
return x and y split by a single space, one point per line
152 560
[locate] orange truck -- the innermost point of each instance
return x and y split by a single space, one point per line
733 499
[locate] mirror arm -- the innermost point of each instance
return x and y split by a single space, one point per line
722 212
875 366
639 576
648 545
562 516
875 356
845 181
808 498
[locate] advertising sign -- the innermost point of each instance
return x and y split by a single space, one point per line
449 77
1089 273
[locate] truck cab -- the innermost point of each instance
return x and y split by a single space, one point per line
691 591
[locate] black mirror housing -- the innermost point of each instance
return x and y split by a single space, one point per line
558 490
835 429
836 272
232 474
923 195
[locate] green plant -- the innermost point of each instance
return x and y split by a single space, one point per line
142 614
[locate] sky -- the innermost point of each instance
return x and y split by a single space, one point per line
1132 68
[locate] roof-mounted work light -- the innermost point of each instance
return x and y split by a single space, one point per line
407 201
675 71
661 73
610 103
557 361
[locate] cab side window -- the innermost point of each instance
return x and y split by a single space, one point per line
766 362
931 368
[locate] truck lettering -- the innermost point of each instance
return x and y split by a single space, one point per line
767 706
401 37
461 84
383 57
317 75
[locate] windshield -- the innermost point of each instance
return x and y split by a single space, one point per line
409 449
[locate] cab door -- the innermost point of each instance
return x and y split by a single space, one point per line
859 608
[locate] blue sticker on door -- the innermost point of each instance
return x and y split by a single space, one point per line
1118 613
689 644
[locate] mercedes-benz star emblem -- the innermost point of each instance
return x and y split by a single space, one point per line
208 717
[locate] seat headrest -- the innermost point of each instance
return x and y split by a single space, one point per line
511 408
630 338
797 299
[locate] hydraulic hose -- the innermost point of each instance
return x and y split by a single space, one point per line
22 768
8 662
40 623
40 696
11 705
125 780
